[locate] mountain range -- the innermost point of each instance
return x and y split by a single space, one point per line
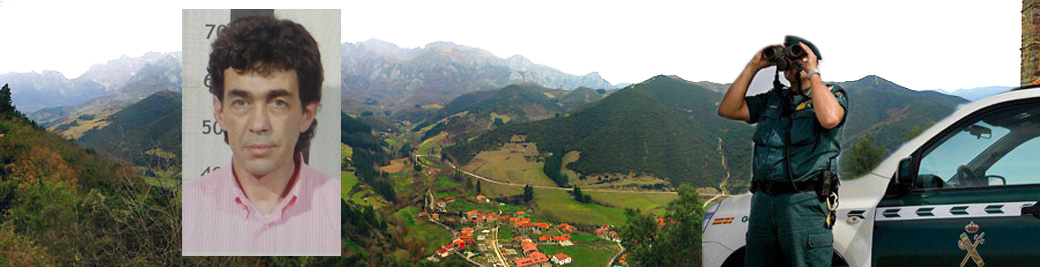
380 76
146 133
475 112
129 81
976 93
667 127
34 91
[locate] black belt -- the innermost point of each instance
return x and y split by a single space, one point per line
777 188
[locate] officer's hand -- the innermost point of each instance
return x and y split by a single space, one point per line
810 61
759 63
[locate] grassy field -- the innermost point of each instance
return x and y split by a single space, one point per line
505 234
396 165
347 178
645 202
368 197
82 126
505 119
572 176
347 182
422 231
443 183
590 240
559 203
494 190
581 255
514 163
346 151
433 145
565 209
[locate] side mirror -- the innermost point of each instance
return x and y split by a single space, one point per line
904 178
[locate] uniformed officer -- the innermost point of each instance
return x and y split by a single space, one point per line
796 142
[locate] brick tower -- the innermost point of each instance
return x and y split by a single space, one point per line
1030 42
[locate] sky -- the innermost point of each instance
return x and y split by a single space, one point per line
918 44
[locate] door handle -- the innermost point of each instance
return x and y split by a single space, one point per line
1032 210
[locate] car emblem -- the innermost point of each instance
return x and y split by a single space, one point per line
972 247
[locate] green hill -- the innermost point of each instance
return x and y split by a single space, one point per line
146 133
668 128
665 127
579 97
61 204
890 110
473 113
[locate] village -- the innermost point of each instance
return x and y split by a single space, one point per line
490 236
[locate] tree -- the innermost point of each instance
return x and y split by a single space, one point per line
864 156
917 130
528 193
478 186
6 107
576 193
677 243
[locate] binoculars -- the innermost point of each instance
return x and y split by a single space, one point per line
786 58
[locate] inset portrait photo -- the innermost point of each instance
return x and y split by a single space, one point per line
261 173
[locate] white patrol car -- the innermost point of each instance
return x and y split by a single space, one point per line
963 193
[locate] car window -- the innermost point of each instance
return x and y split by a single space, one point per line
1021 165
996 149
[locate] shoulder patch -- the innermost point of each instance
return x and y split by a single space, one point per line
837 91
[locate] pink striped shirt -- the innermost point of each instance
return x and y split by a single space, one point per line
218 219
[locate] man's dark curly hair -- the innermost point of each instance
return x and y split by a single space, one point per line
262 44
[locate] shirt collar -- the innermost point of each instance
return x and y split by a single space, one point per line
246 208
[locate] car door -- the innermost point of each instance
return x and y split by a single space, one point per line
972 195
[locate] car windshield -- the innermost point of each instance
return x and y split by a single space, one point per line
998 148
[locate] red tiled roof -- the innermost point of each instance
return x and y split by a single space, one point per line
561 256
528 246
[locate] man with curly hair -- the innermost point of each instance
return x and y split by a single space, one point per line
266 85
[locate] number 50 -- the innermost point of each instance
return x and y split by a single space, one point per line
209 127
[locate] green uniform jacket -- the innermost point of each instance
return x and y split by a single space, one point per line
812 146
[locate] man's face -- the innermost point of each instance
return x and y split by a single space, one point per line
263 118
